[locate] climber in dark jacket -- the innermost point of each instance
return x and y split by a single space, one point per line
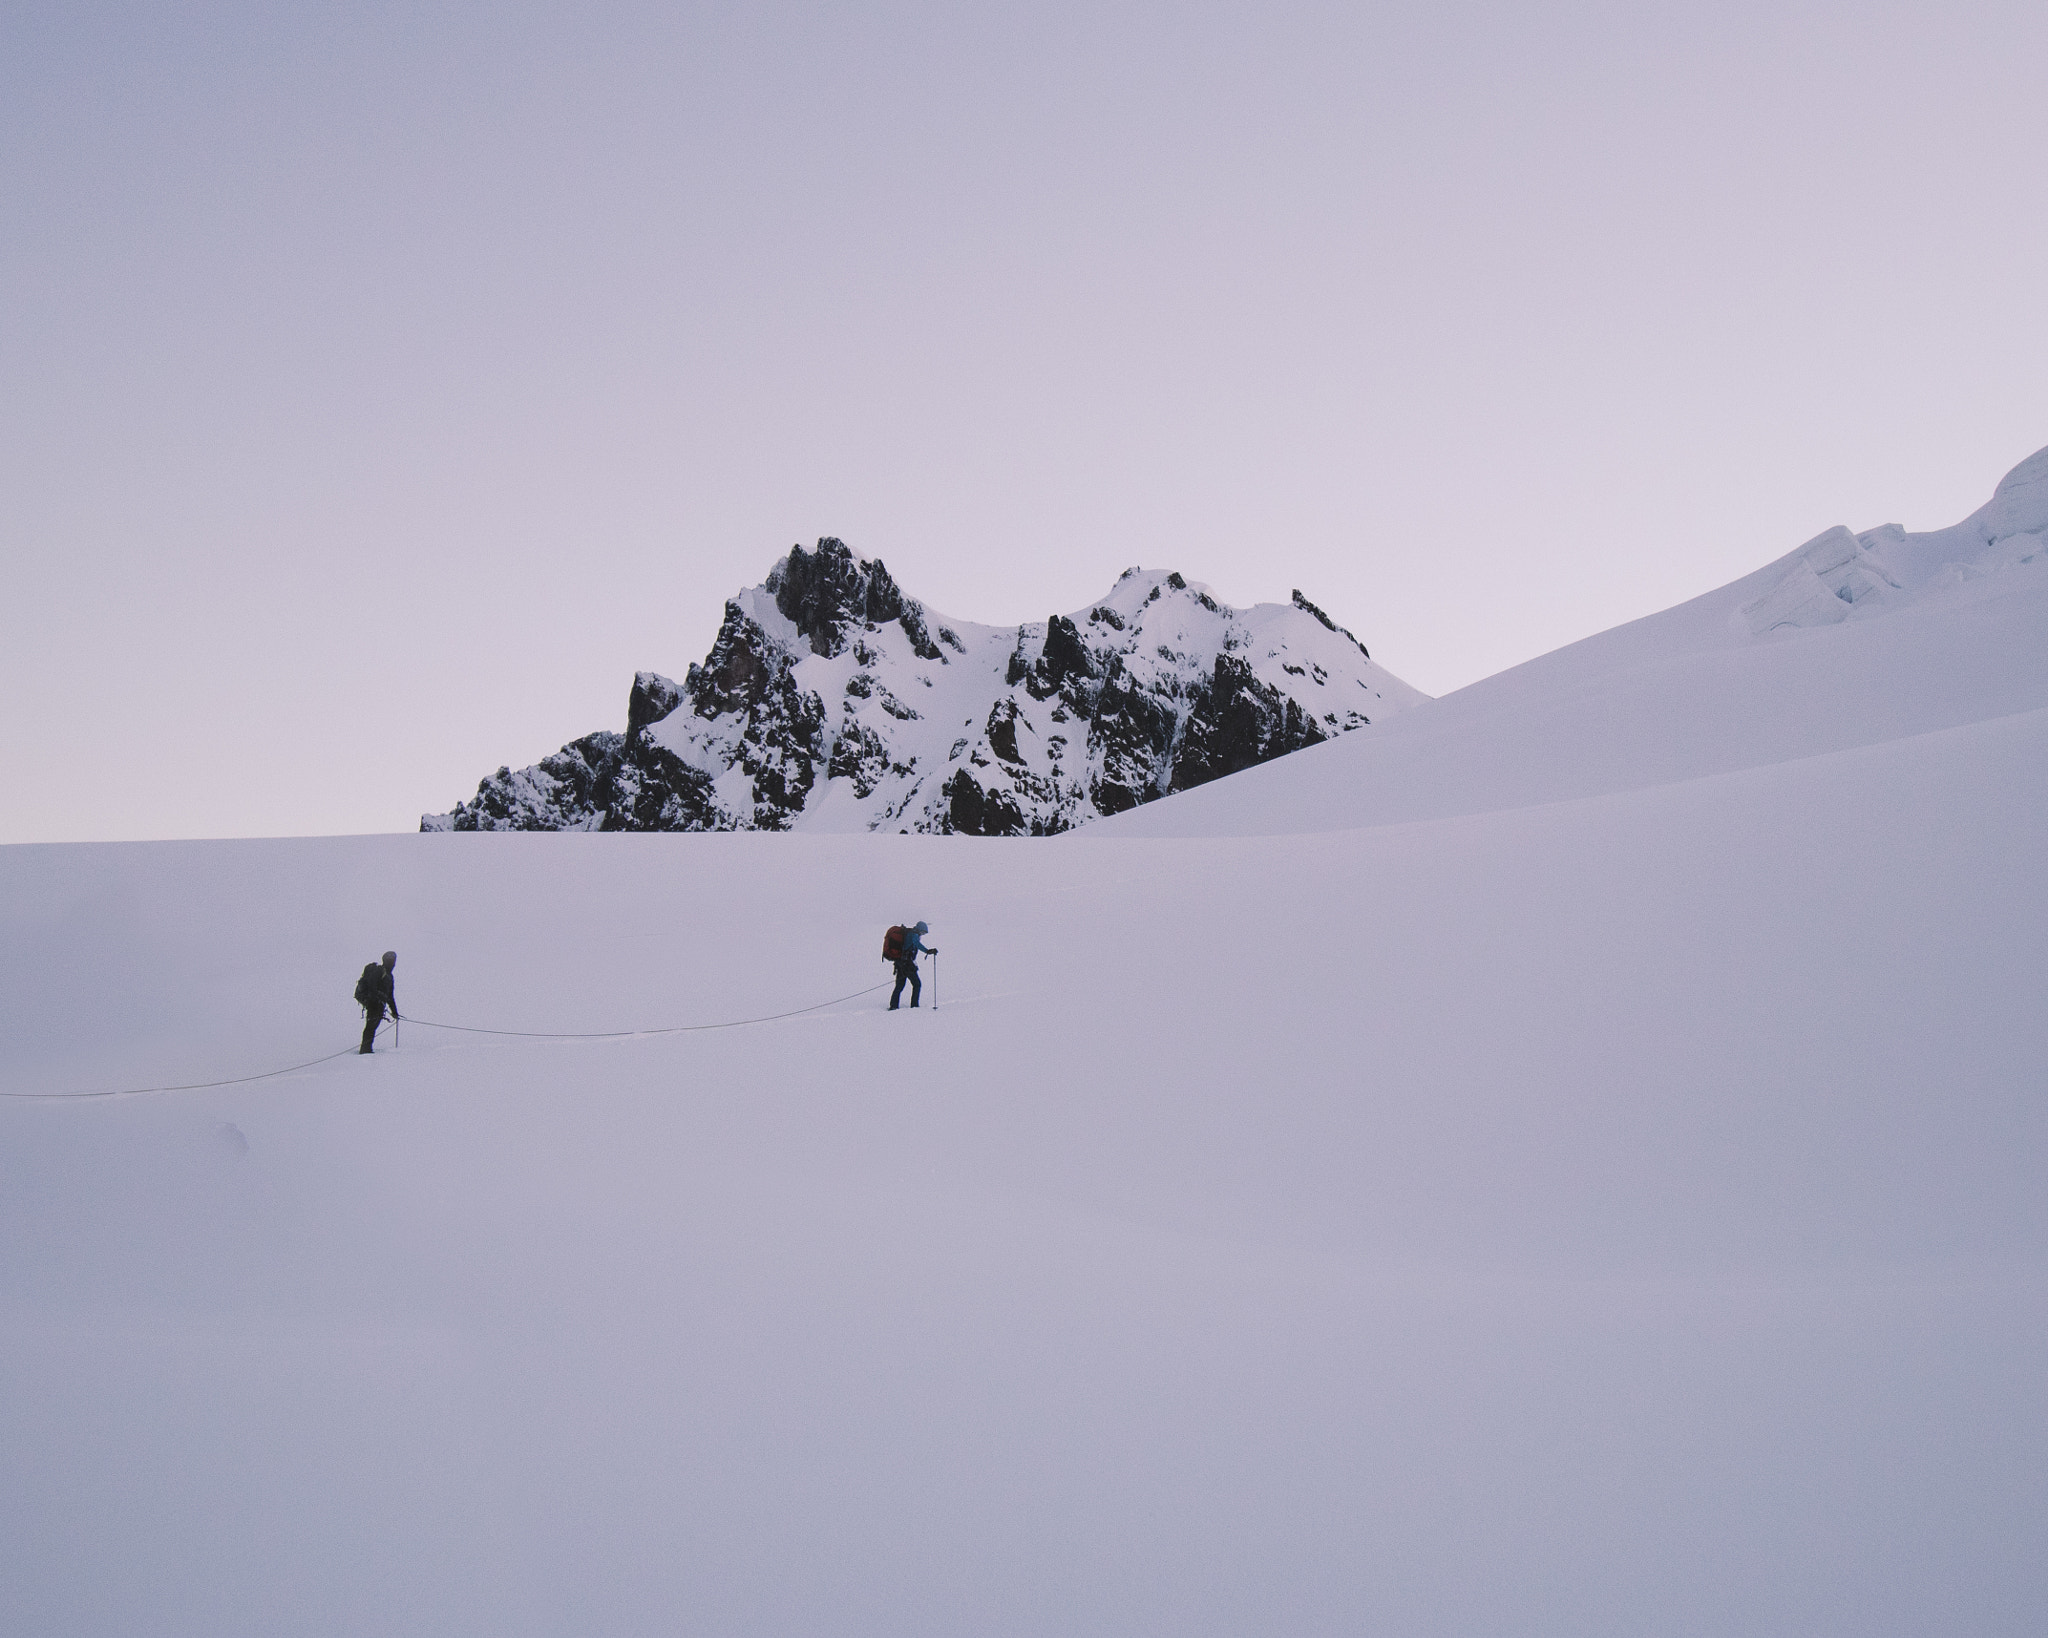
376 990
906 964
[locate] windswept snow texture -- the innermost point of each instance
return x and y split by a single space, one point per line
832 702
1607 1211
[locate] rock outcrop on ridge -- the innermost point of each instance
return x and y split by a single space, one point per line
832 701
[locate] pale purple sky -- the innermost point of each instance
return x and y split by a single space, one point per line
384 385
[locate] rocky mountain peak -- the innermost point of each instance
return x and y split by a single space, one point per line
828 592
832 700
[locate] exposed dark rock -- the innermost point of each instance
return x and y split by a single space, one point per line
824 592
972 811
1130 736
648 787
1065 654
1307 607
1238 724
555 794
921 644
740 669
1002 730
653 697
860 756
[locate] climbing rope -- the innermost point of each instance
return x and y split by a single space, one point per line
627 1034
189 1086
466 1029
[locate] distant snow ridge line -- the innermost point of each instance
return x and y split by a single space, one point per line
1838 575
832 702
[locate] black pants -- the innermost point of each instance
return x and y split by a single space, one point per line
906 973
372 1016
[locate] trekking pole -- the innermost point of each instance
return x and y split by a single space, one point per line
935 981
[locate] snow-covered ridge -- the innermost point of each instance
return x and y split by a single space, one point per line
1850 640
831 701
1838 576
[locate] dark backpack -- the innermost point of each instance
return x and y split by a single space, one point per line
892 943
370 987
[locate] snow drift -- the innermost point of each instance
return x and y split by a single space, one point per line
1425 1196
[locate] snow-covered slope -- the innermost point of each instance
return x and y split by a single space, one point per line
1613 1211
1915 632
831 701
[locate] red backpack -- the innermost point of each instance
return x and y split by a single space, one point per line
892 943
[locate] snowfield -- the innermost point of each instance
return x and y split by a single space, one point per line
1570 1162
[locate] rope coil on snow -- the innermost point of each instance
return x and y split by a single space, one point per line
466 1029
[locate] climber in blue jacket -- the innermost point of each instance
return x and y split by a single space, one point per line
906 963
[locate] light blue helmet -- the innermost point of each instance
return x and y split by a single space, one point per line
924 927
